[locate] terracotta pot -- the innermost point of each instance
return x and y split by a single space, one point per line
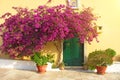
101 69
41 69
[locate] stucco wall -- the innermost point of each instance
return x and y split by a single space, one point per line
6 6
109 10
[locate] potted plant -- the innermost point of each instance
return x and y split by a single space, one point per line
61 66
100 59
41 61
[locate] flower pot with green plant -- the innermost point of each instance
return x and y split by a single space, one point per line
41 61
100 59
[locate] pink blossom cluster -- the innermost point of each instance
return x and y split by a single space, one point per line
28 30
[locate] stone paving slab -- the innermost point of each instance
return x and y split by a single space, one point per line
68 74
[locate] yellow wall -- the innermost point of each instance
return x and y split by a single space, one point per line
109 10
6 5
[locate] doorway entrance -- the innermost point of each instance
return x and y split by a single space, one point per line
73 52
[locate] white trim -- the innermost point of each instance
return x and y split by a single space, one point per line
17 64
29 65
22 65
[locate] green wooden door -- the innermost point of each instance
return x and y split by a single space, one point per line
73 52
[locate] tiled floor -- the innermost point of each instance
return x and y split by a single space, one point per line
68 74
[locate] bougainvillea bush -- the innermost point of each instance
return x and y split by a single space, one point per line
29 29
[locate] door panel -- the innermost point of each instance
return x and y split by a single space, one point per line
73 52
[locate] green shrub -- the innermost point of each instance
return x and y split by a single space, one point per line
100 58
41 59
110 52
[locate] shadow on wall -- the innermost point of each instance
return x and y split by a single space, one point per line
49 48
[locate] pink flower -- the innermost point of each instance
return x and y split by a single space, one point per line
29 30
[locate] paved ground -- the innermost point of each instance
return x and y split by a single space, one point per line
68 74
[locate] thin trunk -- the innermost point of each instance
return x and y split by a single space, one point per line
58 45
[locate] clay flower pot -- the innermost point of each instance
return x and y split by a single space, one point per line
41 69
101 69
